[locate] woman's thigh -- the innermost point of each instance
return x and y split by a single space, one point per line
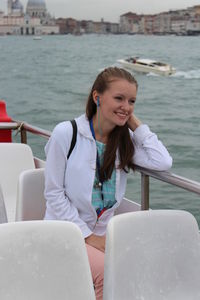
96 260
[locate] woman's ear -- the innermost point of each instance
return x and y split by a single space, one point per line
96 98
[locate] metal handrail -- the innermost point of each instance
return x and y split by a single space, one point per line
171 178
36 130
7 125
167 177
23 128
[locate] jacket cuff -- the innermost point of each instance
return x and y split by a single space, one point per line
140 133
85 231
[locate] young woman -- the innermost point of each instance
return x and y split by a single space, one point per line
88 187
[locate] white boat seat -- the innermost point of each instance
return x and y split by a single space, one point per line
152 255
3 214
31 203
14 158
127 206
44 260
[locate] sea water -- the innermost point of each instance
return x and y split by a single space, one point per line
47 81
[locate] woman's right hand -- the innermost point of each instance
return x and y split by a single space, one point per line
96 241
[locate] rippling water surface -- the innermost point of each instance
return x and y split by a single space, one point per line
47 81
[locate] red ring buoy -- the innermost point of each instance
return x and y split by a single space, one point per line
5 134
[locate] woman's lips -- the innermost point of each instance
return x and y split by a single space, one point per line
122 115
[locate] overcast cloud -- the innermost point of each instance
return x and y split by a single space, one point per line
109 10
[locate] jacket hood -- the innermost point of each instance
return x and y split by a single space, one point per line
84 126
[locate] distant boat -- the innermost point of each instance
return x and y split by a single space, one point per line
147 66
37 38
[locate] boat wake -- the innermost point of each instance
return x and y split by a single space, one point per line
191 74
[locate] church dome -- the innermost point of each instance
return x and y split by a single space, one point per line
38 4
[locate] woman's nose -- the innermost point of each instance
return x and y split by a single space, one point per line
126 105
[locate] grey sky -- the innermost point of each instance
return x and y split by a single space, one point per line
110 10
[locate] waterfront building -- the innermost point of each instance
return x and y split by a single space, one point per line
179 22
68 26
36 20
61 23
19 25
101 27
193 26
178 25
72 26
148 24
87 26
113 28
162 24
193 11
130 23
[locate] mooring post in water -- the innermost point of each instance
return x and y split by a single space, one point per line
144 192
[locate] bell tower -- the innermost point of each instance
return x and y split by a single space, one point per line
9 5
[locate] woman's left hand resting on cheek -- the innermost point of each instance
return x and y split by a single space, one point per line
133 122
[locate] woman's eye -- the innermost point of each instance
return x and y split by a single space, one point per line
132 101
118 98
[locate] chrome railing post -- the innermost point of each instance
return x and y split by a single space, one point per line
23 135
144 192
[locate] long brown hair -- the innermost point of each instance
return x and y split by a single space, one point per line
119 138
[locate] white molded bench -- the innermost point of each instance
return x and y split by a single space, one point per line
152 255
3 214
44 260
31 203
14 158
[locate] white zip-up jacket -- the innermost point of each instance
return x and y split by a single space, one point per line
69 183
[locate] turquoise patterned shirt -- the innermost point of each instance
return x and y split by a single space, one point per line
108 186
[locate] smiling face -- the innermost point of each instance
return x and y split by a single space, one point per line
116 103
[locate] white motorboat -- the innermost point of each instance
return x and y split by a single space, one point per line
37 38
145 65
144 250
